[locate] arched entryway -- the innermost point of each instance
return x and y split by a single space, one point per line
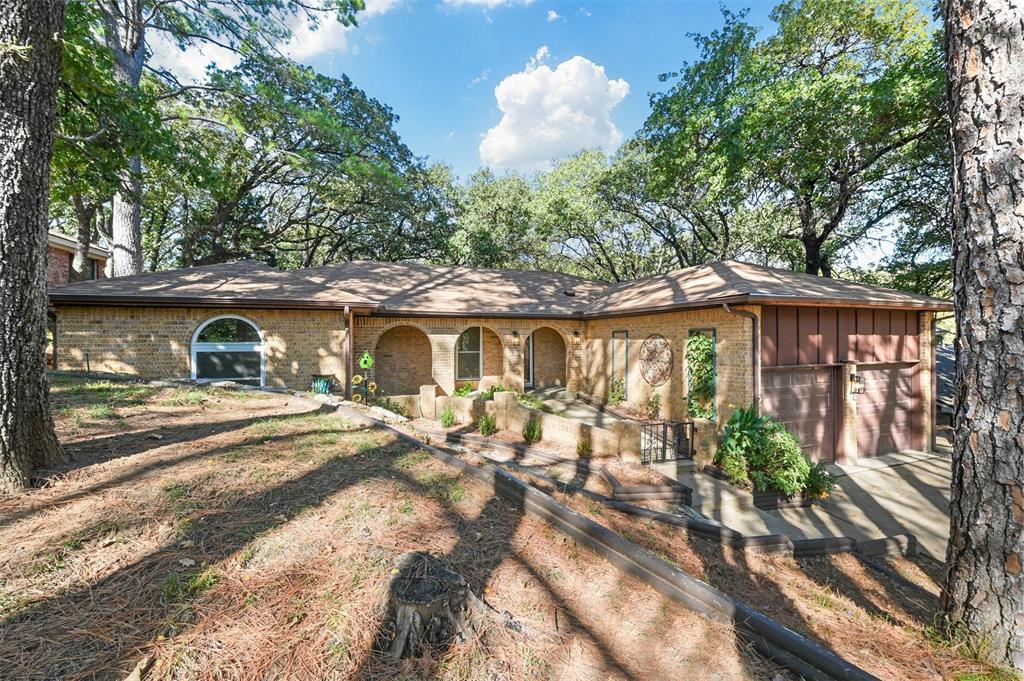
545 359
479 357
402 361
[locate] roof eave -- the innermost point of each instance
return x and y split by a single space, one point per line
70 299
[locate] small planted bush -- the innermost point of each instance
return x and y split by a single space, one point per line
447 418
584 448
532 430
533 402
617 393
486 425
489 393
392 406
653 406
758 451
464 391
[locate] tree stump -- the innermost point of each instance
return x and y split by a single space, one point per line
429 608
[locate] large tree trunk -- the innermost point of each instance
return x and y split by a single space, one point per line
30 52
85 214
127 40
984 592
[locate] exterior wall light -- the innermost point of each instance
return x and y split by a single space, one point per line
576 337
856 384
515 337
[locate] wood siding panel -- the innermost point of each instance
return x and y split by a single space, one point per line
769 336
788 346
865 336
898 333
883 339
808 337
847 333
828 351
912 343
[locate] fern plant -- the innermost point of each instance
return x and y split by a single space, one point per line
487 425
533 431
447 418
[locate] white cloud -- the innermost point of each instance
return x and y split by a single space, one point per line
484 75
584 11
486 4
553 15
550 113
188 65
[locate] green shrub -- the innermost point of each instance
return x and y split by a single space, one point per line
819 481
392 406
617 393
486 425
584 449
447 418
653 406
464 391
759 451
489 393
532 430
533 402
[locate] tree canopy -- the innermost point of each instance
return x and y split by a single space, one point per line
797 148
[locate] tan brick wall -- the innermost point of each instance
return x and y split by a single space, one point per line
734 362
402 361
548 358
444 331
156 342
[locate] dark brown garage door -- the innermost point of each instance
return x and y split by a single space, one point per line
803 399
889 411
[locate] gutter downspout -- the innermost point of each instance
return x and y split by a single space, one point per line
755 350
349 344
935 382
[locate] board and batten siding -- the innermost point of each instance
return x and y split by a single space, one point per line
793 336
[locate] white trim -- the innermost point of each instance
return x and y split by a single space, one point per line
479 350
229 347
530 354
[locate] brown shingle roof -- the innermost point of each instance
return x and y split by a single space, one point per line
245 283
410 288
739 282
407 288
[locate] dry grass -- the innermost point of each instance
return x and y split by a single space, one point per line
254 540
884 627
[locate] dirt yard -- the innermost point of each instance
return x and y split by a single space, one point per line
207 534
885 627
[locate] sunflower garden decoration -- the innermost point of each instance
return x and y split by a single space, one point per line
363 389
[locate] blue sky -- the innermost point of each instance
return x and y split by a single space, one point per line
437 65
572 74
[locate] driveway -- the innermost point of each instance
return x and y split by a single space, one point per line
896 493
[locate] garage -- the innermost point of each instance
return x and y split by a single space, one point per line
889 410
804 400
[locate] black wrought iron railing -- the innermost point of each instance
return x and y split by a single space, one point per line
666 441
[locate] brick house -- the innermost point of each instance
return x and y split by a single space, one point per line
848 367
61 251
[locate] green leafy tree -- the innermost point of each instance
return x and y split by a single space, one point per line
249 27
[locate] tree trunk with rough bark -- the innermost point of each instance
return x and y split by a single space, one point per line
85 214
984 592
30 53
126 38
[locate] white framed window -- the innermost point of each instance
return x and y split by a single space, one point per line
469 356
229 348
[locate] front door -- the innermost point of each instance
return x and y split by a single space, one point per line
528 363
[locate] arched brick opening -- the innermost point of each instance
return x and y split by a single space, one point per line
403 361
548 358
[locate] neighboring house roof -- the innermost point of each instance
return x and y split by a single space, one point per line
243 284
64 243
413 289
729 281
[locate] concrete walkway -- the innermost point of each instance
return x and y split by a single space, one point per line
565 403
879 497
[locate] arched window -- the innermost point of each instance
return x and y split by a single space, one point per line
228 348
